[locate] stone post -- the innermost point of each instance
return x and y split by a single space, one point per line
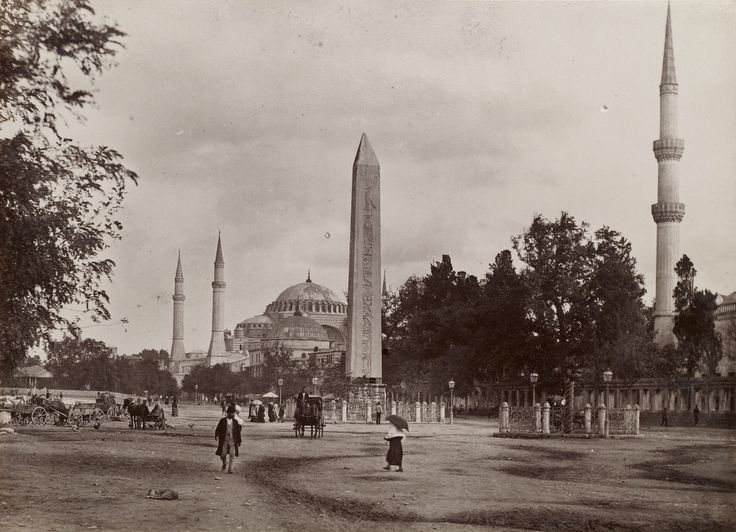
545 418
418 412
537 418
636 419
503 417
628 420
425 416
588 417
393 407
433 412
344 413
602 423
442 412
369 412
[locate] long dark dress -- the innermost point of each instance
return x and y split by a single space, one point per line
395 451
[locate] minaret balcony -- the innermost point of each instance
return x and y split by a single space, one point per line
178 297
218 284
668 212
668 149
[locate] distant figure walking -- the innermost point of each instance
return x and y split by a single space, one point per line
224 406
174 407
227 434
665 420
379 411
395 455
696 415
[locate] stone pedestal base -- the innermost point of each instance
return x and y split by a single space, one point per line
362 401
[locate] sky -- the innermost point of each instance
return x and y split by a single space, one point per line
244 118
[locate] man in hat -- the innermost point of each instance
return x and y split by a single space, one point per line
301 400
227 434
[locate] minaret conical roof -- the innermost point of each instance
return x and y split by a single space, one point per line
218 256
668 61
179 272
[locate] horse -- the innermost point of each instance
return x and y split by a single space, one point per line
310 414
138 414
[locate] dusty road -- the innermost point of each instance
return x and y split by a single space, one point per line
457 478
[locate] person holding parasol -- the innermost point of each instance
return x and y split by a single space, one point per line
398 427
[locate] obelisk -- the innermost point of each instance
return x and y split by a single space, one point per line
178 352
364 283
668 211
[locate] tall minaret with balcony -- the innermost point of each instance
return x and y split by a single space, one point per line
668 211
217 341
177 342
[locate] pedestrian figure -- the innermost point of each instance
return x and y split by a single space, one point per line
271 413
696 415
174 407
282 411
379 411
395 454
222 404
227 434
664 422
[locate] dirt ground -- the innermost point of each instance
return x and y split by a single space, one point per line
457 478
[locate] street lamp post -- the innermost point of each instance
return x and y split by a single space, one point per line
451 384
607 376
533 378
281 383
196 394
315 380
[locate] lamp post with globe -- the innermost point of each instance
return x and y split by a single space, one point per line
281 383
533 378
607 377
451 384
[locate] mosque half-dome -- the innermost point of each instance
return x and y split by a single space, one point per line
298 327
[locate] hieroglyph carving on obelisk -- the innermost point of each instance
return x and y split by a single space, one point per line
364 288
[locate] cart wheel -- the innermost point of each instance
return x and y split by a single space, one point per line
111 413
16 419
25 420
74 419
125 414
97 413
39 416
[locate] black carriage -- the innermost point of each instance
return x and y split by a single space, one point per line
310 415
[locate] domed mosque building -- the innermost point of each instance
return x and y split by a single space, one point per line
308 318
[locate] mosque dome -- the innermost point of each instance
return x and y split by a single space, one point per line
298 327
309 297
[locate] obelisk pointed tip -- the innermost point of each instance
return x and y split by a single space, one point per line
668 61
365 155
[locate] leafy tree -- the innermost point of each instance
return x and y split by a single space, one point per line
81 364
58 199
559 259
697 338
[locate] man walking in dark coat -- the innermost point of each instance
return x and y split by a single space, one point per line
227 434
696 415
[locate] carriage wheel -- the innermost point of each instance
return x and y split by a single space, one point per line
16 418
39 416
97 415
112 413
125 414
25 419
74 419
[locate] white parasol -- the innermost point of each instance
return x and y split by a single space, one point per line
269 395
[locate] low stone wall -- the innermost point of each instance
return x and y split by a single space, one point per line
545 420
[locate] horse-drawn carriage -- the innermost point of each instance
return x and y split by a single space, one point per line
141 416
44 411
310 414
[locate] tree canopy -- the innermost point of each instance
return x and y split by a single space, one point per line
573 308
58 199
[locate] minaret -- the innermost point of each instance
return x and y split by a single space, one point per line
364 283
177 342
668 211
217 342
